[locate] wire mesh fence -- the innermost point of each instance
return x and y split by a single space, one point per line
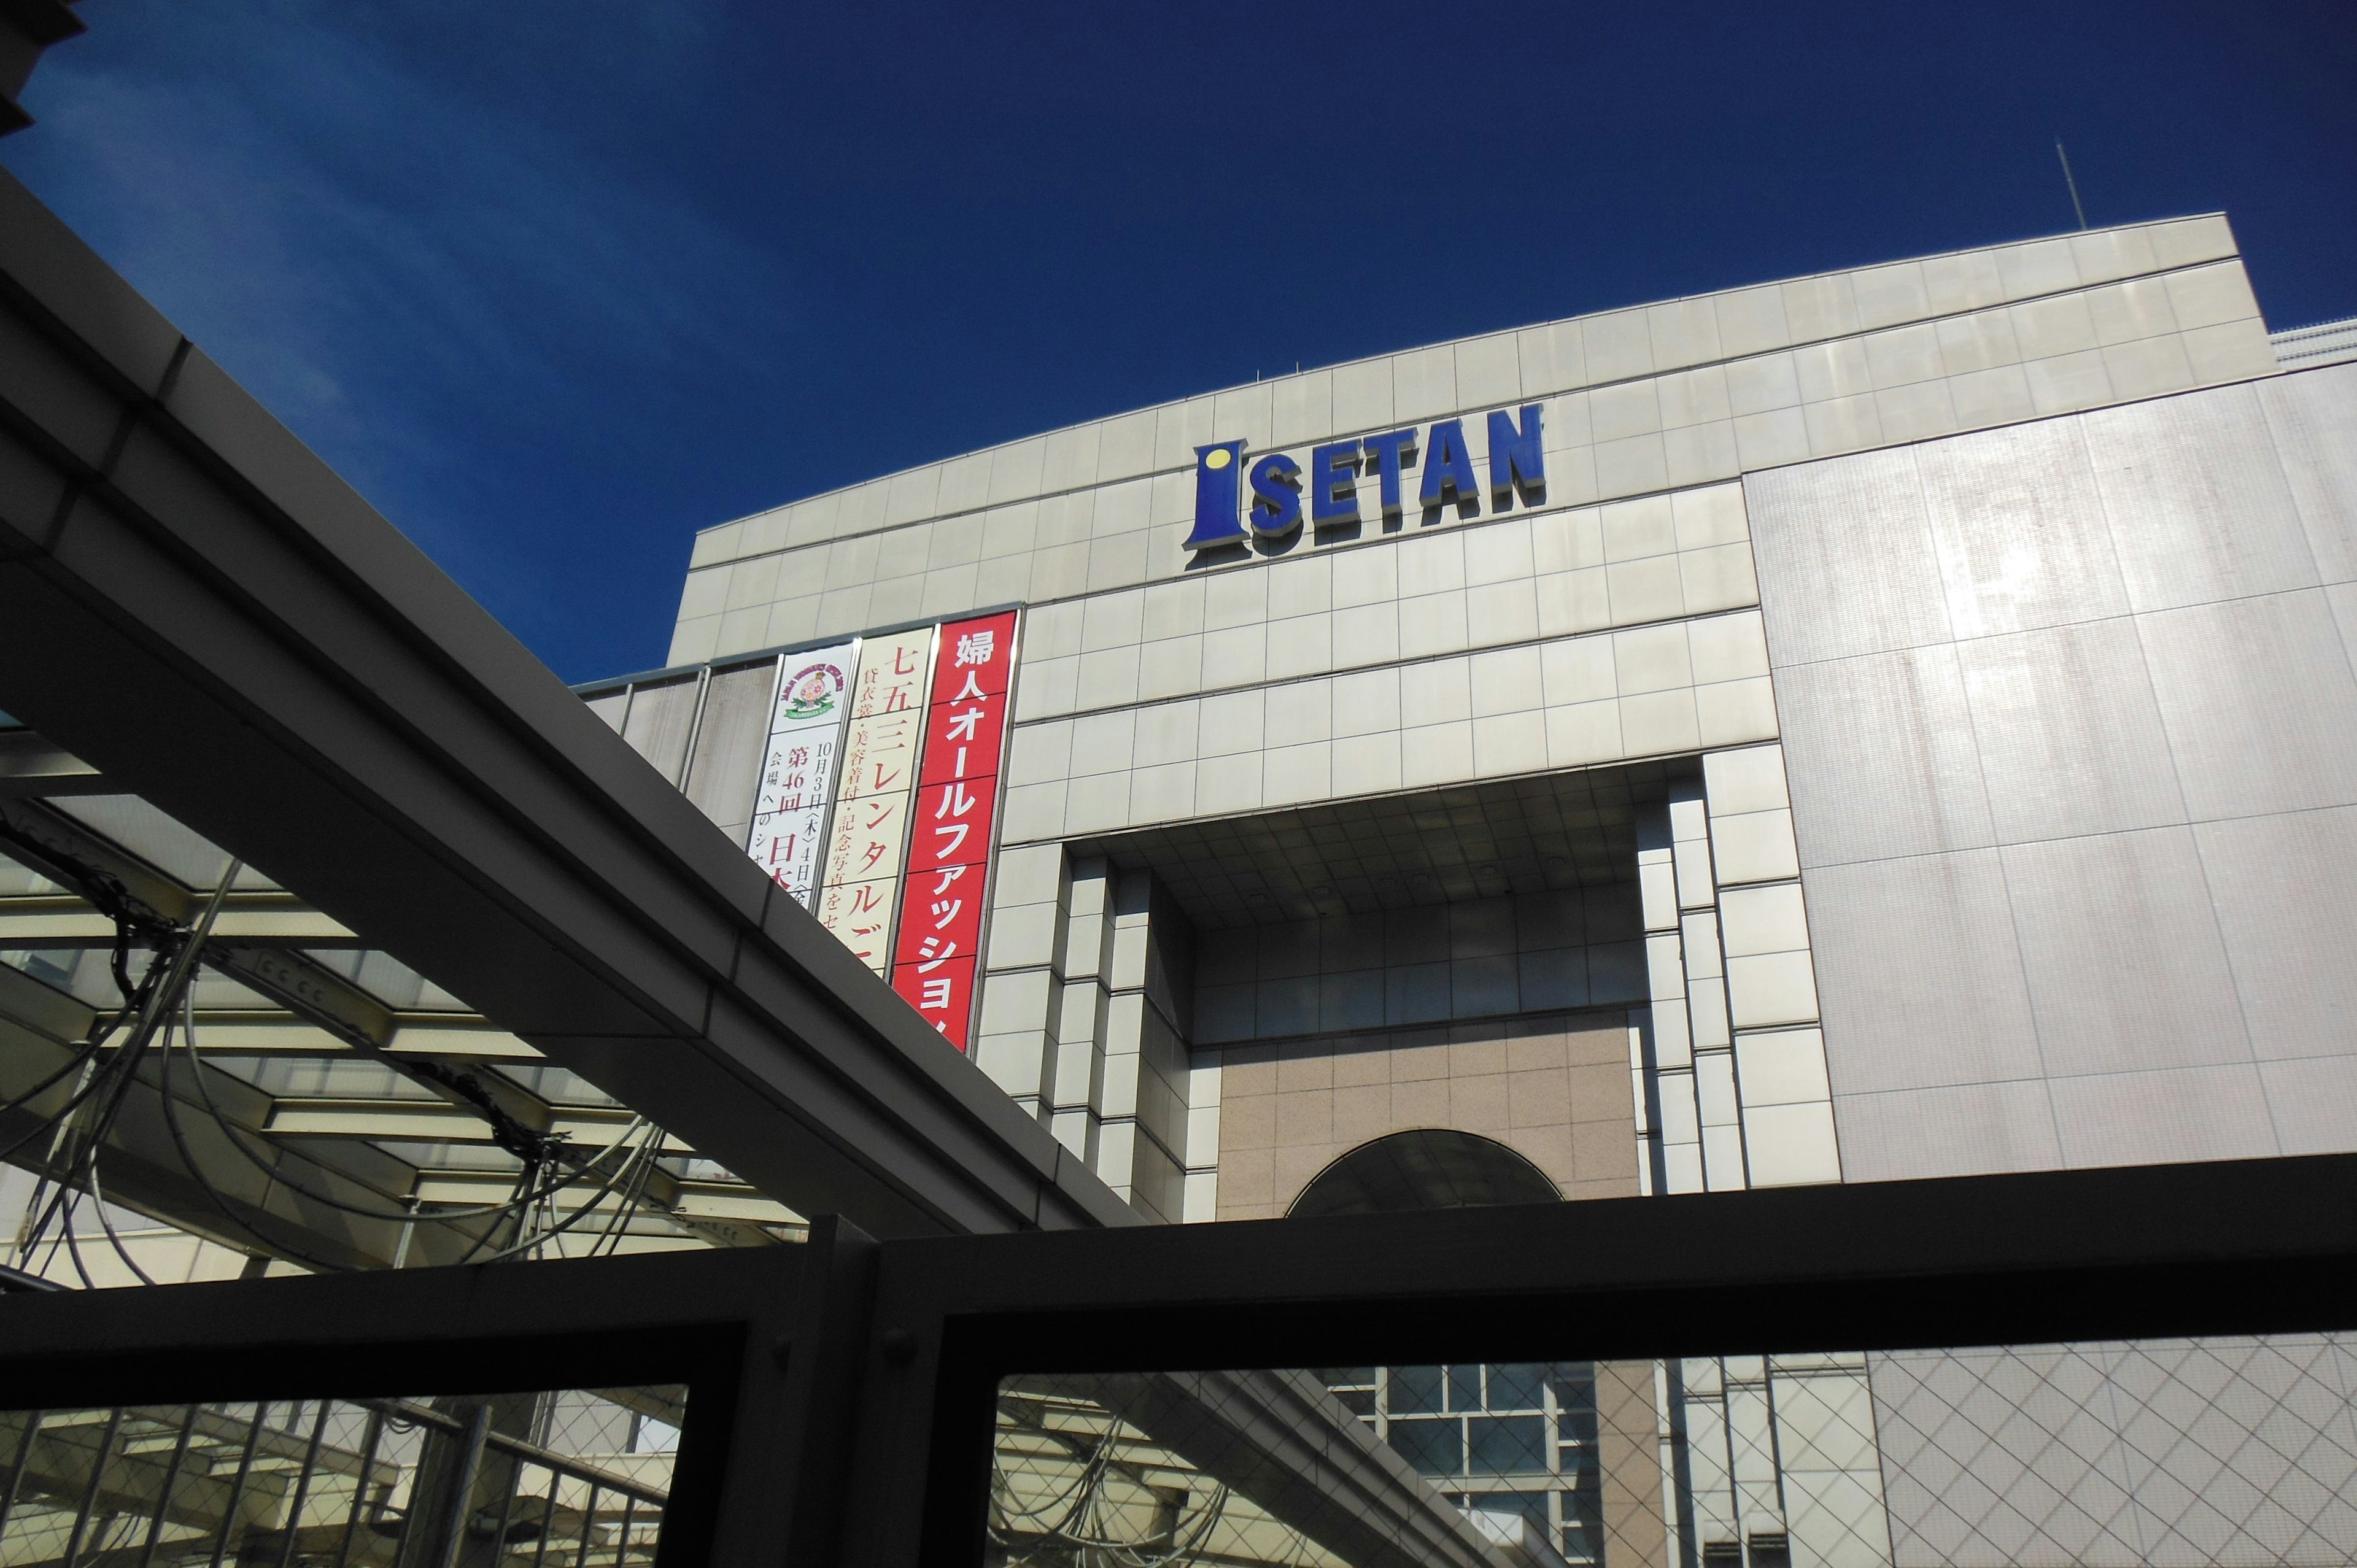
570 1477
2240 1453
1371 1467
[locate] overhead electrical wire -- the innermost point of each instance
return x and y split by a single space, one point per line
649 1159
152 999
1080 1525
517 1202
163 982
569 1221
107 1224
111 1080
213 1194
83 1053
272 1168
118 1075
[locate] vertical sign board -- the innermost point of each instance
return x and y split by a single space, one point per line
798 767
954 822
869 837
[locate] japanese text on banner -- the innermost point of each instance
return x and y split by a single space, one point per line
798 767
868 841
953 824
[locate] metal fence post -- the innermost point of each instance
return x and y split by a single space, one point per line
303 1484
90 1493
237 1487
359 1488
588 1526
156 1520
33 1420
462 1489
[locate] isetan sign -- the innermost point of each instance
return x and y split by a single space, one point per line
1345 481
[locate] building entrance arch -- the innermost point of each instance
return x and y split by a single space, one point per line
1425 1167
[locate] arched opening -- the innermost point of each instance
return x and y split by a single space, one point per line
1427 1167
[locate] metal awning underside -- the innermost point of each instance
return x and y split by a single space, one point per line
194 606
330 1067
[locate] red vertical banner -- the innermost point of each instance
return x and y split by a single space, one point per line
954 823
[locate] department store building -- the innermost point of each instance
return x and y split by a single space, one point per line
1852 778
1887 725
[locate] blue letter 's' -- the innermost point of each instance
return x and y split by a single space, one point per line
1333 483
1277 496
1219 518
1517 459
1448 466
1383 451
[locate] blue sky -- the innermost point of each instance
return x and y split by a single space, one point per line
555 285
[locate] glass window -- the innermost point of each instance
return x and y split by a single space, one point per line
1465 1388
1414 1390
1575 1402
1435 1446
1518 1386
1582 1505
1509 1444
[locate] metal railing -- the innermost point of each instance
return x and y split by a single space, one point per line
321 1484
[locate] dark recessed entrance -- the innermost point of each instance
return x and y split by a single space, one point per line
1428 1167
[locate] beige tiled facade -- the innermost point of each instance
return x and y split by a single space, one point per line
1473 654
1552 1087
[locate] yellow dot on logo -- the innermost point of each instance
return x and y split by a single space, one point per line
1217 457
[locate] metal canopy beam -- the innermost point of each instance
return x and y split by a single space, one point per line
2241 1247
862 1383
198 607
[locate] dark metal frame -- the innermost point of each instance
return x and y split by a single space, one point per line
758 1336
2242 1247
842 1392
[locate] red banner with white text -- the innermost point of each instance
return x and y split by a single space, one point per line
954 823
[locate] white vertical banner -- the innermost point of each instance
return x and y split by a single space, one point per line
799 765
869 835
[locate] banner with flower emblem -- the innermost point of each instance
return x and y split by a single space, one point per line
798 768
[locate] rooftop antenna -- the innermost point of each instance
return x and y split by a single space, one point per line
2073 184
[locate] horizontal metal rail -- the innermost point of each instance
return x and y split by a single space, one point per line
572 1470
90 1481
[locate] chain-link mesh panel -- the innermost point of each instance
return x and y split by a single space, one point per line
1363 1466
2180 1452
1074 1484
2154 1454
